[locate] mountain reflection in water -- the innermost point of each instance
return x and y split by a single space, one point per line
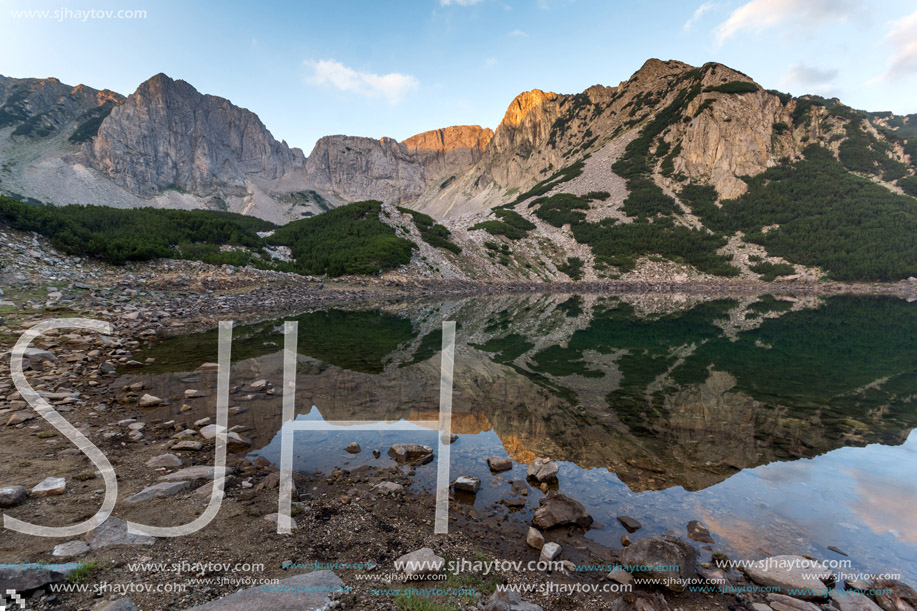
782 424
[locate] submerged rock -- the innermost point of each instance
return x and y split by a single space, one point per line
629 524
411 453
498 464
699 532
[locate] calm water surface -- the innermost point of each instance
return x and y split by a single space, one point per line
784 425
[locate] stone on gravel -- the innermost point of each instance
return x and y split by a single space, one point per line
629 524
164 460
12 496
781 602
543 471
192 393
848 600
621 576
50 486
760 607
699 532
557 509
550 551
509 601
19 418
420 562
187 445
306 592
194 473
534 538
466 483
803 576
387 487
666 558
499 464
211 431
70 549
148 400
411 453
158 491
113 531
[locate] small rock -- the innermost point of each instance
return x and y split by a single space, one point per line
187 446
12 496
847 600
197 472
387 487
543 471
780 602
509 601
148 400
837 551
557 509
621 576
19 418
699 532
549 551
50 486
411 453
353 448
169 461
159 490
499 464
790 573
123 604
629 524
113 531
70 549
625 541
466 483
664 558
376 453
192 393
420 562
534 538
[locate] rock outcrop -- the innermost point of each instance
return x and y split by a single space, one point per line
167 135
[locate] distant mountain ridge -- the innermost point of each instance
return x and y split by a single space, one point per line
699 167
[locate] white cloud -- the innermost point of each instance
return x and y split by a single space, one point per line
392 87
517 33
459 2
490 62
902 38
703 8
809 79
758 15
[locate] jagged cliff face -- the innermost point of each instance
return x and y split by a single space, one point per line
41 108
444 152
167 135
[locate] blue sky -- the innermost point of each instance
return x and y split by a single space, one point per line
394 69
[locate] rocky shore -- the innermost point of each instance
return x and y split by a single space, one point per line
352 525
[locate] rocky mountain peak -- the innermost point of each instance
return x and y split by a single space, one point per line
523 104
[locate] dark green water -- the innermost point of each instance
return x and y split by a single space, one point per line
783 425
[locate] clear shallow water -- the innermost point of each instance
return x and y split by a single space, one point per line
784 426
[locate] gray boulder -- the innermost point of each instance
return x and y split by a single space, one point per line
667 559
306 592
509 601
557 509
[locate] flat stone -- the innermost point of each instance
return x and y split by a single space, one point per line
202 422
158 491
19 418
187 445
306 592
629 524
550 551
192 393
621 576
387 487
420 562
801 575
557 509
113 531
411 453
12 496
534 538
70 549
209 367
198 472
781 602
169 461
37 354
499 464
640 601
848 600
211 431
857 584
699 532
50 486
509 601
543 471
760 607
148 400
466 483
